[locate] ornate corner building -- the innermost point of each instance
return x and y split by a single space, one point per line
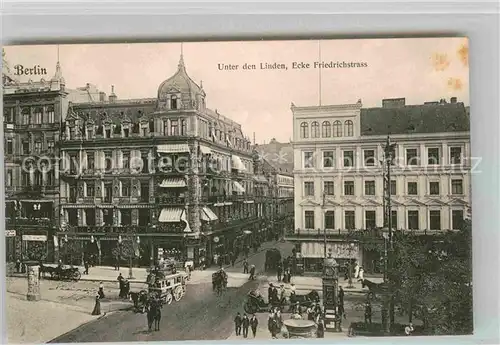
339 174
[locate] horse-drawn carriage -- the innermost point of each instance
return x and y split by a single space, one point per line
255 303
169 288
60 272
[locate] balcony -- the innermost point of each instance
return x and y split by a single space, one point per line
108 229
168 200
21 221
230 223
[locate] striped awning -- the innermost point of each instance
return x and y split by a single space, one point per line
172 148
237 163
205 150
170 215
238 187
208 215
173 182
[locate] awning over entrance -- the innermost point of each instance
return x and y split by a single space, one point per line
237 163
238 187
173 182
173 148
170 215
205 150
208 215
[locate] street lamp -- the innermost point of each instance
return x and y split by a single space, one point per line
120 251
130 274
350 248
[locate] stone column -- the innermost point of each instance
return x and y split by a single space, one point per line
33 284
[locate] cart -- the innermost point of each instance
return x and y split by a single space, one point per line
169 288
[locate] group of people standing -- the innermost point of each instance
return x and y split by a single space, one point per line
124 285
283 272
243 323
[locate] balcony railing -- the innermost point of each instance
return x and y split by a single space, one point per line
315 233
169 200
107 229
214 226
20 221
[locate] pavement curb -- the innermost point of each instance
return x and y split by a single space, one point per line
55 340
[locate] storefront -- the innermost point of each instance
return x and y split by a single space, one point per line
312 254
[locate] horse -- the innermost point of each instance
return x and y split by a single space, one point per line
154 314
140 300
373 287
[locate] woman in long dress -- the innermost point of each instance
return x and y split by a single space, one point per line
97 307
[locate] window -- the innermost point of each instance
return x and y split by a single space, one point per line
107 133
108 159
315 129
455 155
126 160
8 178
348 187
411 157
50 114
329 187
90 216
308 160
434 188
413 220
309 188
393 187
369 157
183 127
337 129
349 128
433 156
25 178
8 115
26 147
328 159
144 131
326 129
90 161
412 188
125 188
51 178
38 115
349 220
369 187
72 194
38 147
456 187
329 220
370 220
108 193
304 130
25 112
173 102
126 132
165 127
90 189
348 158
394 219
10 147
50 146
309 219
145 191
174 127
457 219
435 220
126 217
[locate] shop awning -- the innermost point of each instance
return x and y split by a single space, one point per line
208 215
170 215
238 187
237 163
205 150
173 182
172 148
260 178
317 250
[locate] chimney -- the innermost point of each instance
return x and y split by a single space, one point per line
453 100
393 102
442 101
102 96
112 97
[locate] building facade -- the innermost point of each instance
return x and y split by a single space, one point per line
339 175
166 174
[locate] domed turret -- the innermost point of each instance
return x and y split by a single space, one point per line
180 91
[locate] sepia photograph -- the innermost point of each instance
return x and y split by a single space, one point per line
239 190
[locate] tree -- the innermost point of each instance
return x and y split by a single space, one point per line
127 251
433 280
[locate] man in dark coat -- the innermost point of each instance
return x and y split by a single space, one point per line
245 266
341 303
237 324
368 313
245 323
270 295
86 265
253 324
275 295
279 271
121 282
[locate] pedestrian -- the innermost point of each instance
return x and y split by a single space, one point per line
320 330
252 272
86 265
361 274
97 306
279 270
126 288
270 295
409 329
253 324
282 294
271 324
232 258
368 313
292 290
356 270
237 323
101 290
245 323
121 285
245 266
275 295
18 266
341 303
310 313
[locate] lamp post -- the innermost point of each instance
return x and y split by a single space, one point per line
350 249
65 239
120 251
130 274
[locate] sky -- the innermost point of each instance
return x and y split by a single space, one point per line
419 69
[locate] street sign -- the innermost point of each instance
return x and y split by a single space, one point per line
10 233
35 238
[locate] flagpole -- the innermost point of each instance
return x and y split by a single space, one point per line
319 79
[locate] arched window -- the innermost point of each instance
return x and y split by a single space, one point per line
183 127
326 129
173 102
315 130
337 129
304 130
349 128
